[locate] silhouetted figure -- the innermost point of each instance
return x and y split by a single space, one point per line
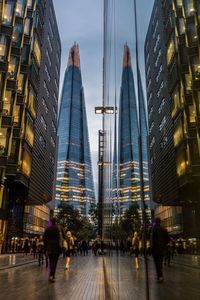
159 241
53 245
84 246
135 244
26 246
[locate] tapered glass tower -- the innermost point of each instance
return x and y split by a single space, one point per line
129 175
74 171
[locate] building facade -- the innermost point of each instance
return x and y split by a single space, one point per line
128 137
172 57
23 60
74 170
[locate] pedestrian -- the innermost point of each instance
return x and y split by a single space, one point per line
159 241
26 246
40 250
84 246
34 248
70 247
53 239
135 245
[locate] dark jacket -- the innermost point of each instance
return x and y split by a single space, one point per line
52 239
159 240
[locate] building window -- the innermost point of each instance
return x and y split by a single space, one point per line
44 124
16 115
7 103
53 127
178 133
189 7
49 42
47 72
170 51
20 83
13 67
152 143
161 106
160 89
151 112
50 29
8 12
196 66
181 164
45 105
176 101
29 134
162 123
46 88
31 103
26 163
42 142
188 83
3 47
156 44
192 114
54 112
25 54
151 127
20 8
29 3
159 73
48 57
27 26
192 33
37 51
17 35
3 140
181 26
158 58
53 142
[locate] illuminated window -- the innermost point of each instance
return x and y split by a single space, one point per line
26 163
31 103
17 35
12 67
7 102
20 86
181 163
29 134
170 51
192 114
163 123
3 47
196 66
20 8
192 33
8 12
181 26
16 115
29 3
189 7
178 133
188 82
37 51
176 101
3 140
27 26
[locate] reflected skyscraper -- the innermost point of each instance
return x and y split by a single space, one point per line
129 172
74 171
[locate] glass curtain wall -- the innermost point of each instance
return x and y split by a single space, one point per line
121 186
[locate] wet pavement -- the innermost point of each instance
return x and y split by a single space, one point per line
102 278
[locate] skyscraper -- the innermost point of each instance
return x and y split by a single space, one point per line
25 164
129 172
74 171
173 92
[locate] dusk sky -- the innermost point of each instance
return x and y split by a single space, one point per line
82 21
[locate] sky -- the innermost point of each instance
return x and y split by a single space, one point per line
82 21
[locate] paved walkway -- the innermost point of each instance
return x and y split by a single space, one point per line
99 278
14 260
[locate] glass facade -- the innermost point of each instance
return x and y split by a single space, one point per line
74 171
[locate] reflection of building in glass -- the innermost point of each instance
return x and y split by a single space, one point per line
129 173
74 171
29 77
173 92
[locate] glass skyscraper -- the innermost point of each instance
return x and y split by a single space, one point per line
74 170
129 169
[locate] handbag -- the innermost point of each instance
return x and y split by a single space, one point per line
65 245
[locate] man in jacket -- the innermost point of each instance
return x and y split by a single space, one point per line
53 245
159 241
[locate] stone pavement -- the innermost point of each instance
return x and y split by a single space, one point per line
99 278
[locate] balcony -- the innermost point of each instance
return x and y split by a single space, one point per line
17 132
20 100
3 66
7 121
11 84
3 160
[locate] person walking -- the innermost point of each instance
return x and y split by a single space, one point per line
70 246
159 241
53 236
40 250
135 245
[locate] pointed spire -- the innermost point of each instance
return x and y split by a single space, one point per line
74 56
127 56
